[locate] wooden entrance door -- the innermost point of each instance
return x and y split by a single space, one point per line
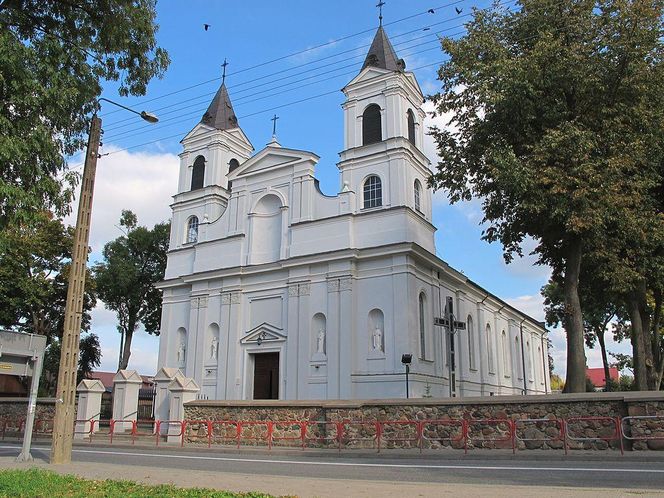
266 376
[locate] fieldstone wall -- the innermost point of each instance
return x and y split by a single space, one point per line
441 421
13 412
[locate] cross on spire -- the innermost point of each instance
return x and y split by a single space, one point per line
380 11
223 75
274 125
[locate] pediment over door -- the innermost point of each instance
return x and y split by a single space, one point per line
264 333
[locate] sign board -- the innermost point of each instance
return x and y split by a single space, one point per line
23 354
18 352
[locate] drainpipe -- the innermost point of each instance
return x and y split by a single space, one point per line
544 360
523 360
480 328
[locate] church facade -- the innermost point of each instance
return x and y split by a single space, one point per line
274 290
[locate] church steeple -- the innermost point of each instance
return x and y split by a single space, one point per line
381 54
220 113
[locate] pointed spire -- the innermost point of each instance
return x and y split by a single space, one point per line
381 54
220 113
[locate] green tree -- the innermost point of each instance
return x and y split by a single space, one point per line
598 311
54 54
34 276
89 358
132 265
557 128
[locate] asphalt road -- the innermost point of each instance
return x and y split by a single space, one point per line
613 471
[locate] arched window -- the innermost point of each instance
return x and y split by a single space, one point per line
506 356
423 337
373 192
471 342
411 127
489 352
517 356
192 230
417 191
233 164
198 173
371 126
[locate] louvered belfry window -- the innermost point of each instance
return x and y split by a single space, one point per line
371 126
411 127
198 173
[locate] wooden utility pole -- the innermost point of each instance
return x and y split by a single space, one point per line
63 424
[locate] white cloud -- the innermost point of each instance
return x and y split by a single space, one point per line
532 306
143 182
527 266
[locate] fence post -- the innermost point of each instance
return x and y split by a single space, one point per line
89 405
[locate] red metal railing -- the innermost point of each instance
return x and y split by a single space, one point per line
461 438
541 424
79 427
371 430
288 430
506 436
225 436
200 424
327 438
645 419
594 423
381 434
404 431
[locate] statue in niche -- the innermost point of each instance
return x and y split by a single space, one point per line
377 339
214 348
320 341
182 350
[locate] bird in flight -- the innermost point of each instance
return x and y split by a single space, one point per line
458 10
206 26
431 11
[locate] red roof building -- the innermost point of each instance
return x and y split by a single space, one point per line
596 376
106 378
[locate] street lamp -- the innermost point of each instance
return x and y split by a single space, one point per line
63 424
407 359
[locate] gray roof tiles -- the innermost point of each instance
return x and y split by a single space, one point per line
220 113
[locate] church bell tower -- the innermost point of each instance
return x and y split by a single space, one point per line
215 147
383 134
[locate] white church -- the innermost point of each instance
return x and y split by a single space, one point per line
274 290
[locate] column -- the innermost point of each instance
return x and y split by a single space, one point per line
126 384
89 406
346 337
162 380
181 390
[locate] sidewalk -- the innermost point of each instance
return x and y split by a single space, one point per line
306 487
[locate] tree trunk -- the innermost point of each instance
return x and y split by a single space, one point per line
576 355
638 343
657 340
605 361
126 350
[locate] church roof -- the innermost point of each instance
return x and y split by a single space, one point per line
220 113
381 54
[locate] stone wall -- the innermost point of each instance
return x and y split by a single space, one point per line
446 430
13 411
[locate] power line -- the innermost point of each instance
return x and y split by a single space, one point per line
314 61
248 99
331 42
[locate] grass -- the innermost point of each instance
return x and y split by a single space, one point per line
44 483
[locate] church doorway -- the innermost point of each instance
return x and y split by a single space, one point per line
266 376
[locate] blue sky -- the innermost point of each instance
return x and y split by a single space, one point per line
263 78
